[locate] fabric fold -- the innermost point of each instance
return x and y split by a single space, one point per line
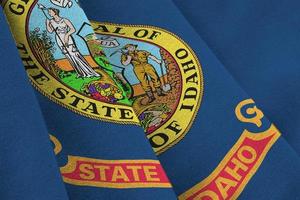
28 168
145 65
79 95
208 162
259 46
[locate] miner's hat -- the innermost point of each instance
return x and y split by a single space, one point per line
130 45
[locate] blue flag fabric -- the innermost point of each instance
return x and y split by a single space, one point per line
96 159
258 42
88 139
28 168
145 65
195 164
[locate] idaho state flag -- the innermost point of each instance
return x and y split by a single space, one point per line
78 95
131 66
230 150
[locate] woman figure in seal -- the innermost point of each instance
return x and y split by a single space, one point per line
63 29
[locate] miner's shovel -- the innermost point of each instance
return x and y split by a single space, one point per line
165 86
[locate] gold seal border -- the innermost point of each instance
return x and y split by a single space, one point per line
133 122
198 65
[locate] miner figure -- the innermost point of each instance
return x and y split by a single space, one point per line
143 69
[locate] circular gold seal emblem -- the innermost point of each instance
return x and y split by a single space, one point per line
129 74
